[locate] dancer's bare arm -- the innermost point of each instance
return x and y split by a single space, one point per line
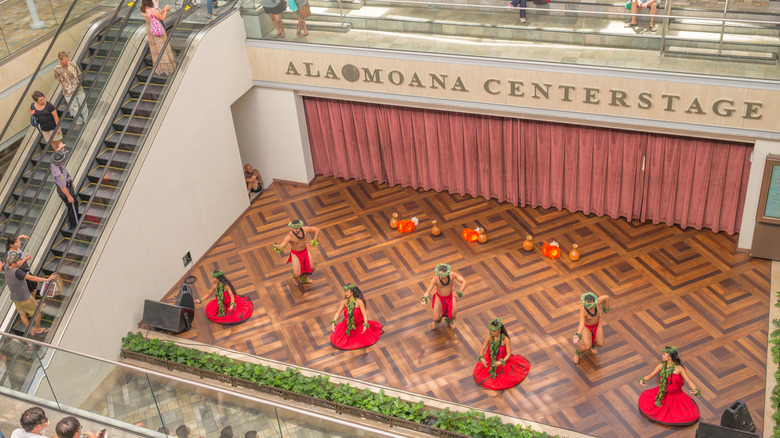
655 372
208 295
429 291
461 281
314 230
483 350
362 308
338 312
694 387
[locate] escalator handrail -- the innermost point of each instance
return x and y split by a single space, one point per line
75 117
38 69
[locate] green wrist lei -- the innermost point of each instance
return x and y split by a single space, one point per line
365 324
579 335
313 242
460 294
333 321
277 249
605 310
642 380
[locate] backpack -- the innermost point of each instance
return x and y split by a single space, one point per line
34 122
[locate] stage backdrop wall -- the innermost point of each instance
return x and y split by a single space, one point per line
673 180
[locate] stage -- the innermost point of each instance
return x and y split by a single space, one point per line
686 288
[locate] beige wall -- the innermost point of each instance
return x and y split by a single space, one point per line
187 192
760 151
271 129
632 98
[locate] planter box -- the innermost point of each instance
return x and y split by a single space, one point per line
248 384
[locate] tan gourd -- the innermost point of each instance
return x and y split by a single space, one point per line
574 255
528 245
482 236
394 221
435 230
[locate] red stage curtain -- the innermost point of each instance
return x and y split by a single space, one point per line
579 168
695 183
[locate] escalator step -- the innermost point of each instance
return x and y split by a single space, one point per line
152 92
143 75
137 124
122 158
145 108
129 142
78 251
111 177
105 194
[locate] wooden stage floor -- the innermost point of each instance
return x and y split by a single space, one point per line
670 286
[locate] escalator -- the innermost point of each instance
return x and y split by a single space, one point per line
109 166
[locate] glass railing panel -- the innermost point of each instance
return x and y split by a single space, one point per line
567 33
129 401
24 22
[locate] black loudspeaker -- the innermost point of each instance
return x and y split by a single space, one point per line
167 316
737 416
706 430
184 298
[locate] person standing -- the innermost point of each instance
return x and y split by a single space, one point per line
20 294
303 262
65 187
443 303
274 9
667 404
590 316
70 427
48 119
33 422
150 13
522 4
14 243
297 6
67 73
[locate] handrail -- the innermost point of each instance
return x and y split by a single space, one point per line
570 12
78 113
37 70
204 386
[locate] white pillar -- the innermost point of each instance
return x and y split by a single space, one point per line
36 22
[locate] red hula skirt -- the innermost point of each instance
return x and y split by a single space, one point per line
508 375
356 339
241 313
446 304
677 408
303 257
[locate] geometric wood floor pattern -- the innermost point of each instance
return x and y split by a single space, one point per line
669 286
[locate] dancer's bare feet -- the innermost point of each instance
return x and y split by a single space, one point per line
433 325
576 359
593 350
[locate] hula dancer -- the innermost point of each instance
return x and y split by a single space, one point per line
355 331
442 286
497 368
590 316
303 262
667 403
227 307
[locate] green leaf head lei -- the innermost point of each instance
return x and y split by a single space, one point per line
589 303
217 273
442 270
297 223
350 286
669 350
495 324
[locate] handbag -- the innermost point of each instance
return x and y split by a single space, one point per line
628 4
304 11
155 27
34 122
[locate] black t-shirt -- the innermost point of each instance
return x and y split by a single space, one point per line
45 117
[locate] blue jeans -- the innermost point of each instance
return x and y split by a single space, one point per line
210 7
521 3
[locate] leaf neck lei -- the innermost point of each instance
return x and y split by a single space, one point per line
302 236
595 311
666 372
442 281
220 299
350 314
495 344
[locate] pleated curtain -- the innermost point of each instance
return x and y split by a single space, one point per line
686 182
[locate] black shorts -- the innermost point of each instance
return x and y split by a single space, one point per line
278 9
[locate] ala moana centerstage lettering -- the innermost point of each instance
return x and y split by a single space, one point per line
642 99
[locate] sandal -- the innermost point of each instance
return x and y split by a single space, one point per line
627 25
653 28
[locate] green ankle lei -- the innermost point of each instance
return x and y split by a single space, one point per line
666 372
350 318
220 299
495 344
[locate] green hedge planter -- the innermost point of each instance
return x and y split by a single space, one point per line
319 391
